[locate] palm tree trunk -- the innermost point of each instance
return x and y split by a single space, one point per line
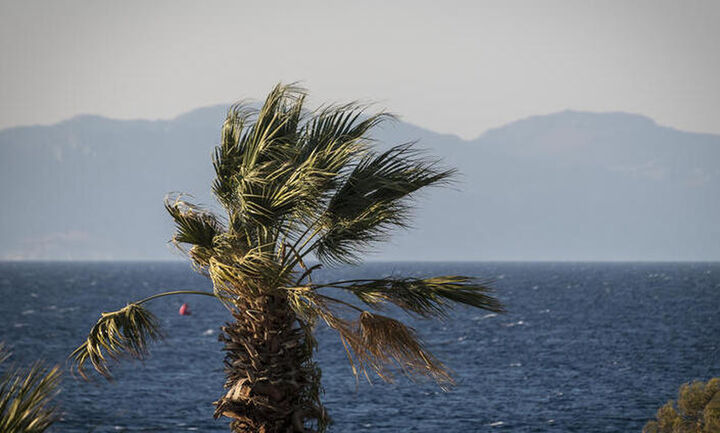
272 382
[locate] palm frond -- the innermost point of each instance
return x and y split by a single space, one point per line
386 340
338 135
195 226
4 352
262 160
226 158
276 123
26 399
373 342
125 332
276 171
246 273
329 144
425 297
373 200
337 125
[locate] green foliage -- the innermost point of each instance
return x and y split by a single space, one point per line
697 410
371 201
194 225
123 332
308 179
426 297
26 397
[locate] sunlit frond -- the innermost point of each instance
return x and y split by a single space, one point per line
26 398
195 226
276 171
246 273
125 332
259 180
227 156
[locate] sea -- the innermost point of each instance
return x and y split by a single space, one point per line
583 347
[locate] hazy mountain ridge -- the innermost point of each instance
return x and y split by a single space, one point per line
569 185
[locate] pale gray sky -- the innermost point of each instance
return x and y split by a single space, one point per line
451 66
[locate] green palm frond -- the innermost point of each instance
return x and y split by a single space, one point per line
339 134
26 399
373 200
125 332
328 146
265 152
426 297
195 226
277 168
227 156
276 124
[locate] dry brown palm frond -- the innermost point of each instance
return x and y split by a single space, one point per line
125 332
26 399
389 340
373 342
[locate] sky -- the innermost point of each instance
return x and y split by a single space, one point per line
457 67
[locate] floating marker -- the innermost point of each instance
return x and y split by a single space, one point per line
184 310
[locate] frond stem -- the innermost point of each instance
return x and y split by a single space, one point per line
338 284
347 304
176 292
294 248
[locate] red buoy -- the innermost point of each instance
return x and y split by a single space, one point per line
184 310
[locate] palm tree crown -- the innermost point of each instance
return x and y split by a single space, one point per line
297 185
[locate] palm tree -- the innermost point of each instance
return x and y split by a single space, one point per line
296 186
26 397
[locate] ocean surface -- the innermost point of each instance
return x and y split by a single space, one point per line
583 348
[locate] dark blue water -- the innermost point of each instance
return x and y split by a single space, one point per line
584 348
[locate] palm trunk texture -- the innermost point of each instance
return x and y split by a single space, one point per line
273 384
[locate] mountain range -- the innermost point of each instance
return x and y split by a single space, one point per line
565 186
